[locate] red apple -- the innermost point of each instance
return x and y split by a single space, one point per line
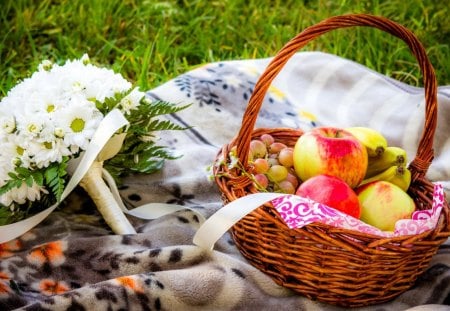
332 151
383 203
331 191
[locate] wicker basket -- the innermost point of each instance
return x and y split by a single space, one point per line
337 266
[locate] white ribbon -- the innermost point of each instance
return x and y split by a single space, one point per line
220 222
146 211
112 122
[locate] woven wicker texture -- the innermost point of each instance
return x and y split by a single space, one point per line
333 265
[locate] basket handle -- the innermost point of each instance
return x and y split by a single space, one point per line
425 152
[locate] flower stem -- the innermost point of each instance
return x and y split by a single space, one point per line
97 189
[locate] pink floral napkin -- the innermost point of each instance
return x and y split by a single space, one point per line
297 212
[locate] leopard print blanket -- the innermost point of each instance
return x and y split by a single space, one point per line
72 261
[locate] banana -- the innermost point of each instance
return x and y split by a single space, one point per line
392 155
373 140
397 174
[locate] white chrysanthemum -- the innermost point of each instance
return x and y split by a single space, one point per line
45 65
104 83
30 125
19 150
79 122
85 59
93 82
49 99
51 150
131 101
22 194
7 125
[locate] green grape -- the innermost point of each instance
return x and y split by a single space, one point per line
286 157
277 173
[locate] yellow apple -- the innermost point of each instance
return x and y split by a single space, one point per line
383 203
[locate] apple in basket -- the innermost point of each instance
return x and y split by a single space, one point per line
331 191
383 203
332 151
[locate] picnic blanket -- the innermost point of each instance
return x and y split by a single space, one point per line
72 261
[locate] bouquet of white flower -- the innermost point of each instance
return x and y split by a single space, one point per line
48 120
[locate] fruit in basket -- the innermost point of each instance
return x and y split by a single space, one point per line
261 181
267 139
373 140
398 175
392 155
276 147
331 191
277 173
383 204
257 149
286 157
285 186
272 165
261 165
332 151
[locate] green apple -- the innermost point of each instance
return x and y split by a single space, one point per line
383 203
331 151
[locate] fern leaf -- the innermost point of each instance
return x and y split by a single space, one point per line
54 178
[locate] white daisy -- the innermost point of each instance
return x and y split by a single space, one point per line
7 124
79 122
30 125
131 101
45 65
104 83
18 150
50 151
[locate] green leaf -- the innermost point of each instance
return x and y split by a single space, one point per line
54 177
139 152
111 102
22 172
29 181
10 184
38 177
6 217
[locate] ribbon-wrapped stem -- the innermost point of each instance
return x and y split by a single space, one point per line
100 193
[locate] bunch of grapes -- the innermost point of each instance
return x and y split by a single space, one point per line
272 164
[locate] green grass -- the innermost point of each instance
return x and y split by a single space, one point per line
150 42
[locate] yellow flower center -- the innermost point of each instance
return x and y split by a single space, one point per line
59 132
48 145
32 128
50 108
77 125
20 150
